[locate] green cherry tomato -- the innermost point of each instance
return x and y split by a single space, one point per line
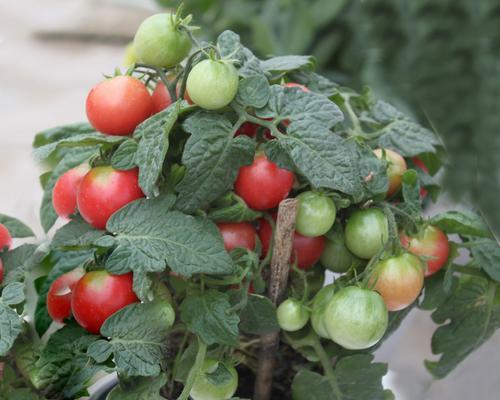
366 232
212 84
336 257
159 41
217 381
292 315
316 214
320 303
356 318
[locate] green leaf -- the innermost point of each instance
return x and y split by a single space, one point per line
16 228
64 367
308 385
259 316
10 322
287 63
486 253
229 45
140 389
462 223
236 211
206 315
434 291
18 262
253 91
315 82
400 133
139 338
149 237
76 233
276 152
412 204
61 132
153 147
124 156
212 157
72 159
13 294
467 318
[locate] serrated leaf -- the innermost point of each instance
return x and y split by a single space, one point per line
229 45
10 326
486 253
206 315
315 82
434 291
462 223
76 233
138 338
212 158
18 262
308 385
61 132
253 91
236 211
140 389
13 294
124 156
277 153
153 146
412 204
467 318
258 317
149 237
17 229
287 63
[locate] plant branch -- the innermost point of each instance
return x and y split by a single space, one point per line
326 363
195 370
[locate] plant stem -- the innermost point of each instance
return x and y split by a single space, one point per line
352 115
326 363
464 269
195 370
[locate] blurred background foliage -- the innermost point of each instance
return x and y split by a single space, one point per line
438 59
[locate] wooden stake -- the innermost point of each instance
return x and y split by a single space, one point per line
280 266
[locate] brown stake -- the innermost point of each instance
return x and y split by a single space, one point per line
280 266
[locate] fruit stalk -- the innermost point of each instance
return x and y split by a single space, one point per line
282 250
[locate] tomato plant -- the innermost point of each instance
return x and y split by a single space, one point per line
263 184
66 189
292 315
366 232
316 214
105 190
5 238
59 295
399 280
431 243
239 234
117 105
395 169
98 295
210 386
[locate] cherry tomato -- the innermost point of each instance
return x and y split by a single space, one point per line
159 41
420 164
66 189
356 318
103 191
263 184
238 234
336 257
117 105
316 214
366 232
395 170
292 315
320 303
248 129
59 295
431 243
212 84
297 85
161 97
223 388
130 56
306 250
98 295
5 238
399 280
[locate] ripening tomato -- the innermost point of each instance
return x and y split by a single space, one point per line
212 84
431 243
161 42
356 318
5 238
98 295
420 164
66 189
292 315
366 232
263 184
59 295
306 251
395 169
117 105
103 191
399 280
316 214
237 234
222 387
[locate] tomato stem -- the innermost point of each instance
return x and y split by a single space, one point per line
326 363
195 370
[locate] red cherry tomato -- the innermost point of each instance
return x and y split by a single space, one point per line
98 295
5 238
59 295
263 184
420 164
103 191
432 243
306 250
248 129
238 234
117 105
65 190
161 98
